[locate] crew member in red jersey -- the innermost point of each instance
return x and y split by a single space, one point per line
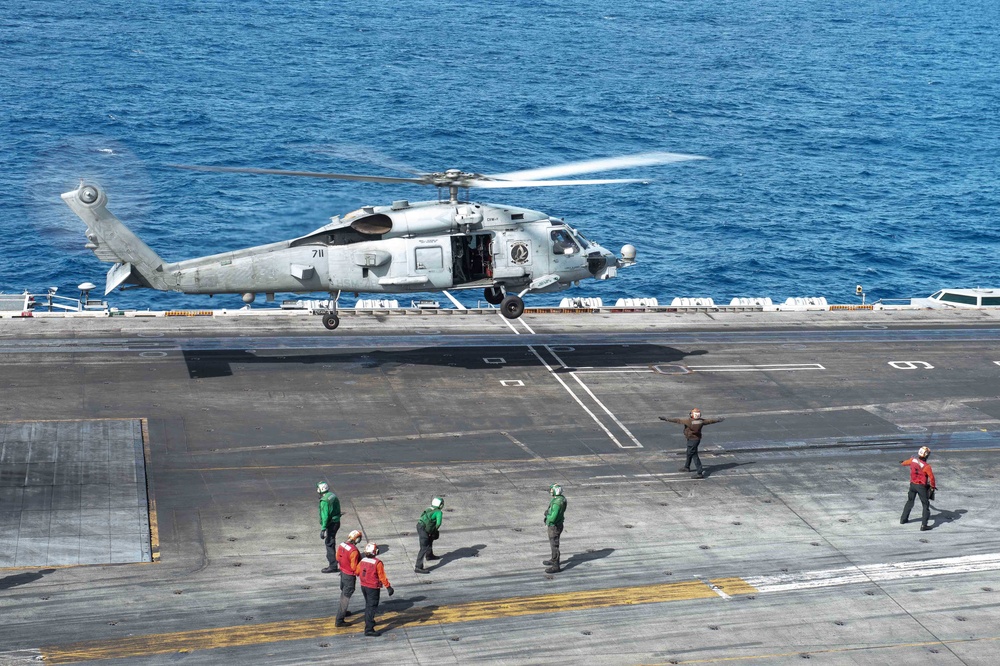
922 485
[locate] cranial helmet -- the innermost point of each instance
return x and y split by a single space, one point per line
923 452
555 489
322 487
354 536
437 503
696 413
371 549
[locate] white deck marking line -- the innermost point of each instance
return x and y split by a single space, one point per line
525 324
576 397
623 369
521 445
872 573
638 444
718 591
453 299
509 325
556 356
755 368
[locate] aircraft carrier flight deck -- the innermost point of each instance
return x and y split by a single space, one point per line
158 503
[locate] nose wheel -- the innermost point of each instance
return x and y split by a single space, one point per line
331 321
512 307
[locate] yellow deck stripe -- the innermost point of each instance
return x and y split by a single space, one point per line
293 630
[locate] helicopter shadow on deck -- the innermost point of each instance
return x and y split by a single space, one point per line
211 364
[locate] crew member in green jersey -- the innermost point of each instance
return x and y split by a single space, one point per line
329 523
428 527
554 523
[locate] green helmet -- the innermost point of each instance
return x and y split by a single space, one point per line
555 489
437 503
322 487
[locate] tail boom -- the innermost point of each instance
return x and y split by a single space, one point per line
135 262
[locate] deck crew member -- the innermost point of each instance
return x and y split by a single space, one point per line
922 485
553 518
348 557
428 526
371 572
692 433
329 523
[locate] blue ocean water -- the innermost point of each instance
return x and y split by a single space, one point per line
850 142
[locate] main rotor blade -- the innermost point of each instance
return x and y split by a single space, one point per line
502 184
593 166
308 174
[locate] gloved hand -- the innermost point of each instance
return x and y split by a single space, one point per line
322 535
390 590
663 418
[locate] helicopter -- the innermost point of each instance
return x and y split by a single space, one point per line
403 247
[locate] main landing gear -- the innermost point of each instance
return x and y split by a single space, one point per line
493 295
512 307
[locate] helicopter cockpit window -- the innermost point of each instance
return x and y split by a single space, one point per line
562 242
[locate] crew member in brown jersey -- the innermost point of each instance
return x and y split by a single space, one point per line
692 433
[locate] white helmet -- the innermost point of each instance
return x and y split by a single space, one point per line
437 503
371 550
555 489
322 487
354 536
696 413
923 452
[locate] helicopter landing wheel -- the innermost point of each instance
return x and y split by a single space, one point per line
512 307
493 295
331 321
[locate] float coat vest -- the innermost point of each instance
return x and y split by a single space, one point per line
347 554
368 573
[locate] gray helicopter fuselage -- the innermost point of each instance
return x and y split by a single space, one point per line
404 247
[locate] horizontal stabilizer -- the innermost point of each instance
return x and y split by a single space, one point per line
121 274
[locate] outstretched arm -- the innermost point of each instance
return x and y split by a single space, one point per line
664 418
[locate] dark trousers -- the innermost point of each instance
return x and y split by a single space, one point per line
331 543
692 455
554 532
426 544
347 583
917 490
372 595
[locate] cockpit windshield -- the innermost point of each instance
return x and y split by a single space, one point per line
562 242
583 240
